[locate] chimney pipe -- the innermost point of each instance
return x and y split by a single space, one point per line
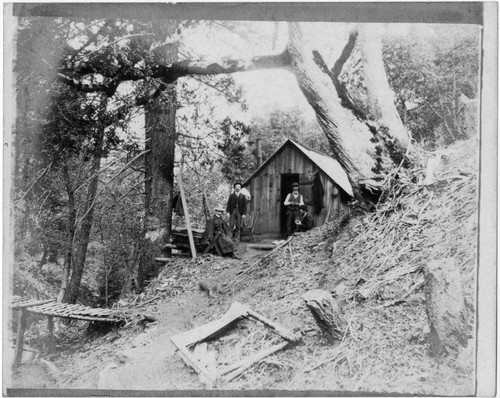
259 151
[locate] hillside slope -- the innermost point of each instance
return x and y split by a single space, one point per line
373 264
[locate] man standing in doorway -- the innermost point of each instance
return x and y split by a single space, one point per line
293 201
237 209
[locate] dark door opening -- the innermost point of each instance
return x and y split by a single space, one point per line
286 187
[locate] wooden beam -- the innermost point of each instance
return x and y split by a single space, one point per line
186 215
287 334
21 326
50 325
29 303
242 366
261 246
205 375
163 259
203 332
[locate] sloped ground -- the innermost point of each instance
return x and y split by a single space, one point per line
374 267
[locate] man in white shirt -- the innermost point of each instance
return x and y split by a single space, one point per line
293 201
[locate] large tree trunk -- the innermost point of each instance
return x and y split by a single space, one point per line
160 140
362 147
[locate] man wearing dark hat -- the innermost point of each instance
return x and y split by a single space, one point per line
305 221
293 201
218 235
237 209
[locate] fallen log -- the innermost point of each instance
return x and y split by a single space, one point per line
445 307
327 313
261 246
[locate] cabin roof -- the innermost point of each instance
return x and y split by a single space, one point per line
328 165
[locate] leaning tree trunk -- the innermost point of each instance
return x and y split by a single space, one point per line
358 144
82 238
70 234
381 98
160 140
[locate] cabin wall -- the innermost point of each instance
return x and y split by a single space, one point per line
266 190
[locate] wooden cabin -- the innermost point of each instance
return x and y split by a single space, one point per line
315 172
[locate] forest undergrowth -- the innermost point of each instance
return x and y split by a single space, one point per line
373 263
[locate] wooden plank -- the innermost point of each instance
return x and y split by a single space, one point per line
244 365
50 326
203 332
261 246
21 326
274 203
287 334
190 360
265 204
186 215
29 303
70 315
162 260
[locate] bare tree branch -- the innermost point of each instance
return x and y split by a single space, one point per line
44 171
346 53
124 195
111 179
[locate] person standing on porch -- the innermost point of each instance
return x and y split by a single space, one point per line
237 209
293 201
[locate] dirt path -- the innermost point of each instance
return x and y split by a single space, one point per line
148 360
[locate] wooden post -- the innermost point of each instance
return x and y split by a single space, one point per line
50 325
186 215
21 326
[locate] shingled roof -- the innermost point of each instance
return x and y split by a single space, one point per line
328 165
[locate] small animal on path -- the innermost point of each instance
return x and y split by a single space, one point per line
211 288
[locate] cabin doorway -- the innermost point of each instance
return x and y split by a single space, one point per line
286 187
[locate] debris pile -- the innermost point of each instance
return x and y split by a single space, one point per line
375 268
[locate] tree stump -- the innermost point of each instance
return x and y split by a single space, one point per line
327 313
445 307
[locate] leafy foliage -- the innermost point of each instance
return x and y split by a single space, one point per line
430 75
239 143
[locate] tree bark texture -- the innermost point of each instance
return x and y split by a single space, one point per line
356 144
445 307
70 234
161 135
381 98
327 313
83 235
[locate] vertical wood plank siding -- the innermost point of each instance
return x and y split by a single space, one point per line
265 189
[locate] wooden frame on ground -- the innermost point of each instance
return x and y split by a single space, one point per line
236 312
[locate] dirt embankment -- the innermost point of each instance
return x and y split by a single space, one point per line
374 266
